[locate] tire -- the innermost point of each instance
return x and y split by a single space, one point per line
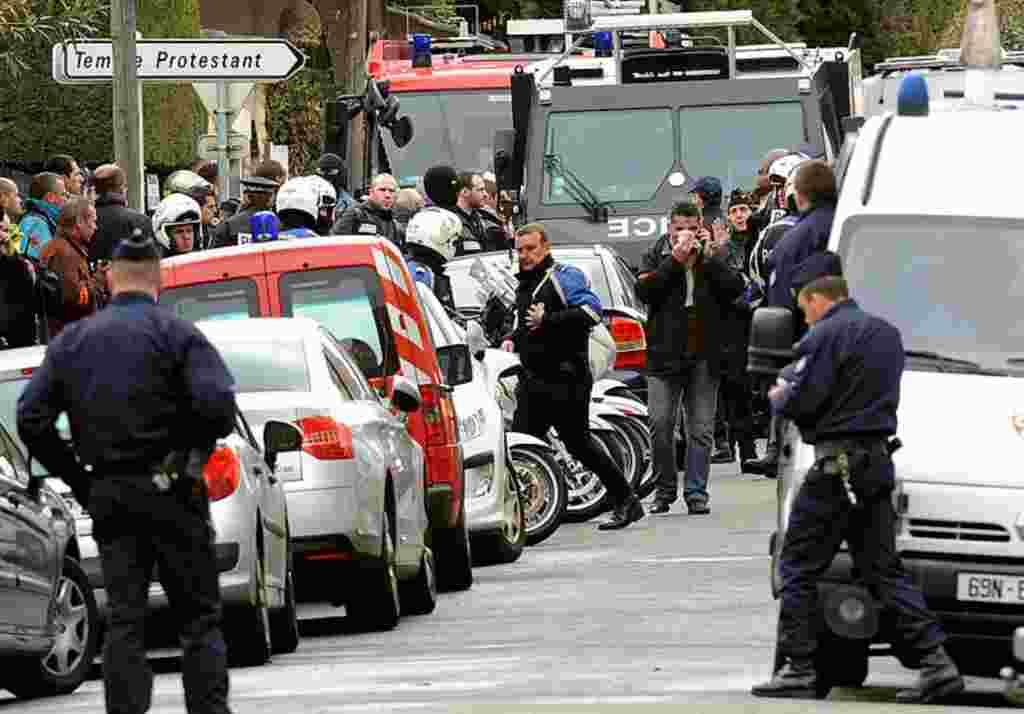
587 495
634 463
375 604
454 556
543 489
248 628
506 545
68 662
840 663
419 596
284 624
642 435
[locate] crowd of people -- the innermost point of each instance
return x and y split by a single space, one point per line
57 241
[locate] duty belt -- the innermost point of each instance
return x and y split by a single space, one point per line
835 459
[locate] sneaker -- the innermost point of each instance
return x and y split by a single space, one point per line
629 512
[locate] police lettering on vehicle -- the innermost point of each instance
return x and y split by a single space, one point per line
637 227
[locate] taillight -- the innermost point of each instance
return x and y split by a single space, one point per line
631 341
438 416
326 439
222 473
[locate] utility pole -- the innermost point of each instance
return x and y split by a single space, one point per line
356 64
127 100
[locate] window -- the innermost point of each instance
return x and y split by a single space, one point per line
729 142
619 155
12 464
339 383
243 429
348 372
227 300
349 303
593 267
265 365
454 128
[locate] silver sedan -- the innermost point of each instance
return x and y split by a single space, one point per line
356 490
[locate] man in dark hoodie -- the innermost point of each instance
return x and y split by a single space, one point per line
114 220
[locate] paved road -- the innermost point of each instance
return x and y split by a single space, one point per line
673 611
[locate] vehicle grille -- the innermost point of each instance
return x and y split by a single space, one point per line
958 530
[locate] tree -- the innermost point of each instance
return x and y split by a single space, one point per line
24 25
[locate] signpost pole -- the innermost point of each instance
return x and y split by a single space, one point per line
127 112
221 115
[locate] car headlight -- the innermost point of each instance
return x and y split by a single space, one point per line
472 426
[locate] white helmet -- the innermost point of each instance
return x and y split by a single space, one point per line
435 228
175 210
299 194
326 194
786 166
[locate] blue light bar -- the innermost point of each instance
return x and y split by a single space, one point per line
912 100
602 44
421 55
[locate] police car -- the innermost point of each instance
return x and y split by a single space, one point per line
929 229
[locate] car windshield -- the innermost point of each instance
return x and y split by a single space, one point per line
348 302
950 284
455 128
635 157
465 287
743 135
227 300
264 365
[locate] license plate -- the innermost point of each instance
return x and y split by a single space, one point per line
979 587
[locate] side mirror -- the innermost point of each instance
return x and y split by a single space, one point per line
404 395
771 341
476 340
401 131
280 437
456 364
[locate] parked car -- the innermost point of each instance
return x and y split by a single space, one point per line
48 616
494 504
360 290
612 281
356 490
251 523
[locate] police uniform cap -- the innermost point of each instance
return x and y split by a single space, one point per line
137 247
258 184
817 265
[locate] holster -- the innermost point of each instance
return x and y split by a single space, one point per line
182 472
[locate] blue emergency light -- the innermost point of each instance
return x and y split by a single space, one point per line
912 100
421 55
602 44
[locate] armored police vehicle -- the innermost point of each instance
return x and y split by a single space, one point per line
603 145
940 256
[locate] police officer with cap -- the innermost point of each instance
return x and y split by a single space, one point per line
843 393
147 397
259 196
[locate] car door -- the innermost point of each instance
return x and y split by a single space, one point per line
400 450
272 504
30 545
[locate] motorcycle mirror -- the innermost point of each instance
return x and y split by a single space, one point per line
476 339
401 131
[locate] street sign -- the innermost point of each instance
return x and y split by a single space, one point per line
182 60
238 146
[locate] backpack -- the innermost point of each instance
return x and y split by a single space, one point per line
601 346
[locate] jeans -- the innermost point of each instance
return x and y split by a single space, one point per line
138 527
698 388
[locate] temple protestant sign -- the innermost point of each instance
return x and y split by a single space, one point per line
190 60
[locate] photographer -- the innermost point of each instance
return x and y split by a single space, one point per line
687 287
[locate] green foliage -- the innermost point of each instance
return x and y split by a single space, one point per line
24 24
45 118
294 111
779 16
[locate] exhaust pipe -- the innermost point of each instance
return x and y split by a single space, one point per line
981 52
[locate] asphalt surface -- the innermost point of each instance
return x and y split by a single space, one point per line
674 611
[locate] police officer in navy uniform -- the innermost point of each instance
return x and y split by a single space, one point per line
141 389
842 392
555 312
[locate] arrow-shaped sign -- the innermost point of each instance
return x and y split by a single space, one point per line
182 60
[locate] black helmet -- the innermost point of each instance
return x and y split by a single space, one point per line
441 184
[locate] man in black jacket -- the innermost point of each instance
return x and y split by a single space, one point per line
687 287
258 192
114 220
555 312
374 217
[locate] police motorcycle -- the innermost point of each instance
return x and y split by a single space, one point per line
620 432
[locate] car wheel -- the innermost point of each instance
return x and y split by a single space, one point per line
375 603
506 545
284 624
66 665
419 596
840 663
543 488
454 556
248 628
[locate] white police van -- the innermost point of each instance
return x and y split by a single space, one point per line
930 230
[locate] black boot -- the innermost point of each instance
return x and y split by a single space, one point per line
795 680
767 465
939 678
723 453
628 512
